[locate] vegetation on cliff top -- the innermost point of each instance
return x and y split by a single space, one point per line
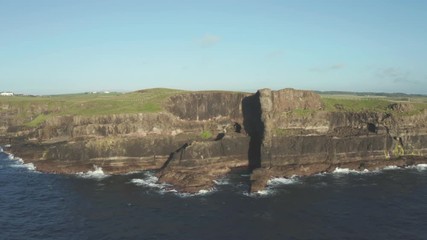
34 110
356 103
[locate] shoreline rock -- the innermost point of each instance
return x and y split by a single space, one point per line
193 142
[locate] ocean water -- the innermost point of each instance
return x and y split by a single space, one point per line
386 204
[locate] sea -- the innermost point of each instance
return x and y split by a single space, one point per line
386 204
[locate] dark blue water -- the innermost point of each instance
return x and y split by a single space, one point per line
391 204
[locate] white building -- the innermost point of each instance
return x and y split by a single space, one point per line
6 94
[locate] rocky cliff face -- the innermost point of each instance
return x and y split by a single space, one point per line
201 136
323 141
206 105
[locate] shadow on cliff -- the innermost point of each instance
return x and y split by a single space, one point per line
254 127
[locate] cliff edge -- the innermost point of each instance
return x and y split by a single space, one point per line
192 138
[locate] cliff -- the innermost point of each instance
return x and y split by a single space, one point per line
321 140
191 138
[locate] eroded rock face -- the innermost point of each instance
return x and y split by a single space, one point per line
274 141
193 167
322 141
290 99
206 105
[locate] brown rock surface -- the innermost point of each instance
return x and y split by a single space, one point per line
179 142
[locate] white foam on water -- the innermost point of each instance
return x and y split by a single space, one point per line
1 149
261 194
421 167
265 192
321 174
151 181
282 181
130 173
30 166
348 171
202 192
97 173
391 167
19 163
343 171
270 189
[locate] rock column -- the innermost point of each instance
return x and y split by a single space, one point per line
265 98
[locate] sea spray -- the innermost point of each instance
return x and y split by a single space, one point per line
151 181
97 174
347 171
268 192
420 167
392 167
282 181
19 163
272 186
201 192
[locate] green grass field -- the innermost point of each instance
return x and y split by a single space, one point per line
357 103
146 101
150 100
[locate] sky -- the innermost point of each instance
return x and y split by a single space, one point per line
67 46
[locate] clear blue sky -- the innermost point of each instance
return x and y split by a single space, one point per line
64 46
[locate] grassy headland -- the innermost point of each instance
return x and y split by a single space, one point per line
85 104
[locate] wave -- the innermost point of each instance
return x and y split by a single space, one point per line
19 163
422 166
97 173
419 167
392 167
268 192
271 188
282 181
151 181
347 171
28 166
202 192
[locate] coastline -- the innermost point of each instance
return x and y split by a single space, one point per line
198 137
